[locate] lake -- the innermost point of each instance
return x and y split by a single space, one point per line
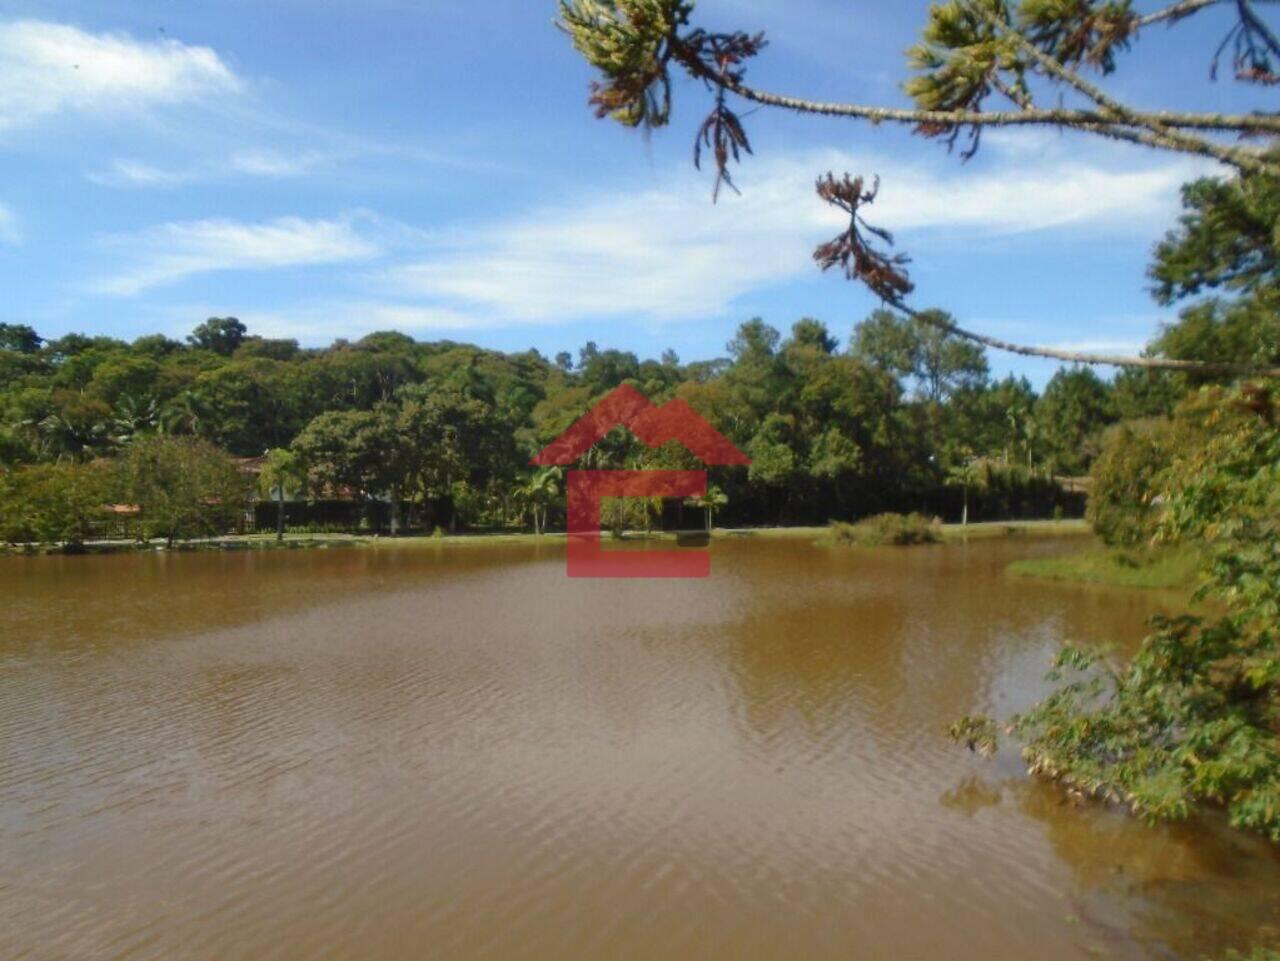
458 752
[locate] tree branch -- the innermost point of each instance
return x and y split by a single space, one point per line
1091 121
1208 368
1176 12
1161 134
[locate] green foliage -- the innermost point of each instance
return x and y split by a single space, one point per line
936 363
59 503
1072 413
1245 331
184 487
1160 569
958 54
884 529
1127 482
222 335
448 428
710 502
976 732
1257 954
1079 31
1225 239
19 338
627 41
1194 719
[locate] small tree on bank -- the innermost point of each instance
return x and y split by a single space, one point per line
281 471
59 503
710 502
183 487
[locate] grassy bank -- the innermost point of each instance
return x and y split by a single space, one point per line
1171 568
267 541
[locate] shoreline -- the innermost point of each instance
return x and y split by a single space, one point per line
951 533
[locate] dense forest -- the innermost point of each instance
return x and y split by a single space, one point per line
899 417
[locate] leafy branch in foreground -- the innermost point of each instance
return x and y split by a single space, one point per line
1194 718
971 51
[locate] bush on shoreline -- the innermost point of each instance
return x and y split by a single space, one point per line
884 529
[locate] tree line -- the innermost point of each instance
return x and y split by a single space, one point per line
901 416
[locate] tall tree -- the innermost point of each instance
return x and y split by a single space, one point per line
19 338
1072 413
935 362
222 335
183 487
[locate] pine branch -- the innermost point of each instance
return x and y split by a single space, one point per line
1226 123
1160 136
1176 12
1083 357
863 251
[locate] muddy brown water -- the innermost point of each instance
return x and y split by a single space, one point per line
461 753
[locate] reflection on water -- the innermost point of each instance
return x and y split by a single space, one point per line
461 753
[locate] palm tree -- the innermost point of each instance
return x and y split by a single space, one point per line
281 469
542 488
711 501
60 435
133 417
965 475
183 414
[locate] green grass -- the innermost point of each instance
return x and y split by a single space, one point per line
985 529
266 540
1169 568
950 532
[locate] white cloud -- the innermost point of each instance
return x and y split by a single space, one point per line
9 231
272 163
46 68
133 173
316 323
170 252
665 253
268 164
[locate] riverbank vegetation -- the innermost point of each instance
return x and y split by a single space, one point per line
884 530
387 435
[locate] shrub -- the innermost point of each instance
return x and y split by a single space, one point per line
184 487
883 529
53 503
1191 720
1128 477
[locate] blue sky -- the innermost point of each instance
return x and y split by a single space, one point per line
325 168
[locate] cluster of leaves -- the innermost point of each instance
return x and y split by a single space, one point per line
960 56
1194 718
1079 31
53 503
629 42
1128 479
1225 239
184 487
1257 954
855 249
633 44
